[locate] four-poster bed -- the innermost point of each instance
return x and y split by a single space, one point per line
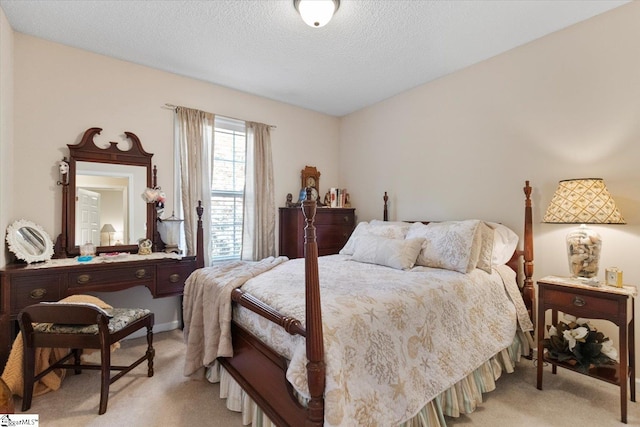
261 371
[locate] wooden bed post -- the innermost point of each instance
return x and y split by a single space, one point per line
528 290
313 316
385 212
199 237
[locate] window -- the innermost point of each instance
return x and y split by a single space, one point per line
227 188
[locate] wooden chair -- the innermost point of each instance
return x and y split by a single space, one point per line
80 326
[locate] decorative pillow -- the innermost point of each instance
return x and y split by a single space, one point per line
391 230
486 236
394 253
360 230
450 245
398 226
505 242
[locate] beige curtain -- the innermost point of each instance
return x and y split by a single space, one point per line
194 130
258 231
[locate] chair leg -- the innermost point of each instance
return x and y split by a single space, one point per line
28 374
105 374
150 351
77 354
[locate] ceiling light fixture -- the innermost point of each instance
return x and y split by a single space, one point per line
316 13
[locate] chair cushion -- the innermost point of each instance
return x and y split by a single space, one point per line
120 318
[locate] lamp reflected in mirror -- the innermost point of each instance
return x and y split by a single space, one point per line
109 230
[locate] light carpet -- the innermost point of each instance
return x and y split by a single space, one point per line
169 398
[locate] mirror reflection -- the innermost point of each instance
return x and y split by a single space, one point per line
109 209
30 241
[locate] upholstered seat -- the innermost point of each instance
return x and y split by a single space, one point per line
77 327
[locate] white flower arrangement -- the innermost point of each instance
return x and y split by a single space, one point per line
577 342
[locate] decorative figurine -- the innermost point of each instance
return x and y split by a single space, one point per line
144 247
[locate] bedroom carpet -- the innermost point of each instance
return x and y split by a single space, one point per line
169 398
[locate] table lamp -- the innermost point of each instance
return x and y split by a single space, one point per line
583 201
169 229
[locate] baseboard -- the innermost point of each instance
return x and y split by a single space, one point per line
162 327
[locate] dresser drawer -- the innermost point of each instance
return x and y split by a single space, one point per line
582 305
32 289
117 277
333 228
171 277
332 237
332 216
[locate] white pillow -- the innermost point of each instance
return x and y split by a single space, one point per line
450 245
391 230
486 236
394 253
505 242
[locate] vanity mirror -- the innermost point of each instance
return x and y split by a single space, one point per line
29 242
104 186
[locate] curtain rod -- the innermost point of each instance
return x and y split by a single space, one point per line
173 107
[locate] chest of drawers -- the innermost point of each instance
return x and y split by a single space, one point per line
333 228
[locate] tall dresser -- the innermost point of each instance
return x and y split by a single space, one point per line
333 228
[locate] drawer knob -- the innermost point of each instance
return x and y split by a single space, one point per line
141 273
83 278
38 293
578 302
174 278
346 218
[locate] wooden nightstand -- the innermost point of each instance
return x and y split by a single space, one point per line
604 302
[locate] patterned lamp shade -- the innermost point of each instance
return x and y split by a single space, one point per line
583 201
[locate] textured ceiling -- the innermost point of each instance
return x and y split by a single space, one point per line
371 50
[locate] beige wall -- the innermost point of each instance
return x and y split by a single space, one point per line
6 125
564 106
62 91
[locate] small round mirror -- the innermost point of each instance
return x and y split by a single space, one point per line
29 242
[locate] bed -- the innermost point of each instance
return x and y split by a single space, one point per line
370 360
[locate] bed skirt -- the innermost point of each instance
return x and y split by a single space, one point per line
462 398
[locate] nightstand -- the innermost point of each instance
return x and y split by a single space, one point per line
616 305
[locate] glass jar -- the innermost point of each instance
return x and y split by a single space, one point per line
583 248
88 249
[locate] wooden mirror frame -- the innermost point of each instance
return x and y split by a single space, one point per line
88 151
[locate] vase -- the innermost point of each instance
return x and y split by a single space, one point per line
583 249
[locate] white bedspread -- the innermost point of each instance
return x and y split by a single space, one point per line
393 339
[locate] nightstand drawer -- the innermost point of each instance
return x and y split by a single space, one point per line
581 304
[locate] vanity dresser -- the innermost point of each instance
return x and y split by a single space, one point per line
115 267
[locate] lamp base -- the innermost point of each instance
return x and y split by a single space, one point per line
172 249
583 249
